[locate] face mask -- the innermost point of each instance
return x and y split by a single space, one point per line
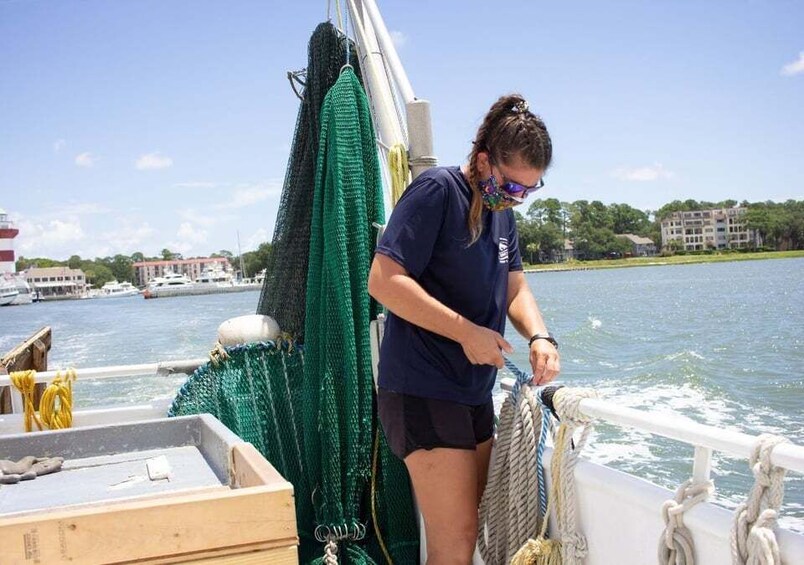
494 197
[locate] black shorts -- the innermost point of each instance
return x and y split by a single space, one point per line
412 422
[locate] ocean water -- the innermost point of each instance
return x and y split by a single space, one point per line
722 344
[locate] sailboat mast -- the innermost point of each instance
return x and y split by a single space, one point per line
240 256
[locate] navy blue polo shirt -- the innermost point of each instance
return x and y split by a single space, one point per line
428 235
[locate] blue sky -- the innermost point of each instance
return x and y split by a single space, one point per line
137 125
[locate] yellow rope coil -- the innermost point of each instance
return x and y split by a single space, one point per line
61 390
400 171
56 405
25 382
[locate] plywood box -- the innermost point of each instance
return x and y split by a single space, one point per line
221 498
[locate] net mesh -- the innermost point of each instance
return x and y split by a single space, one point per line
283 292
310 409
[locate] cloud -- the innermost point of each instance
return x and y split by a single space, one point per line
128 237
399 39
254 240
86 159
58 145
246 195
51 238
78 209
794 68
195 217
642 174
153 161
188 233
195 184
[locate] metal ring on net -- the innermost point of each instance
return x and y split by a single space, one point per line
322 533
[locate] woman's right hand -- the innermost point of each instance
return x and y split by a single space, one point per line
482 346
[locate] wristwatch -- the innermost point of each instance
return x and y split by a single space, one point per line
548 337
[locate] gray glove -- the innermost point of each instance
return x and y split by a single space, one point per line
28 468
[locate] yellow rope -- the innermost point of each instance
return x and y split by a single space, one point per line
25 382
374 518
218 354
51 415
400 171
61 389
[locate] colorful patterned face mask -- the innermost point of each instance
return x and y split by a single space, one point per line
494 197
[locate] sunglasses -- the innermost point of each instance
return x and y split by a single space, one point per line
515 189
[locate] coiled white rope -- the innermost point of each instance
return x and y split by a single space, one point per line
567 404
752 539
676 546
509 510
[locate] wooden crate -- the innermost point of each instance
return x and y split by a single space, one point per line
251 521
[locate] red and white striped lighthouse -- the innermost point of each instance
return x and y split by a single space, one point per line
7 234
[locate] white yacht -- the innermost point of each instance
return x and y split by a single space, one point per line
25 294
114 289
215 275
8 291
170 280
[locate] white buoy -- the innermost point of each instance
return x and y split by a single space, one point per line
247 329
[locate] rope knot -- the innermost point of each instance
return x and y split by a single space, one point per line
752 537
573 546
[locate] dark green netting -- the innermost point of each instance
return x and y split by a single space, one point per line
283 291
310 409
338 370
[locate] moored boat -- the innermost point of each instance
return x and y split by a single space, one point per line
8 291
114 289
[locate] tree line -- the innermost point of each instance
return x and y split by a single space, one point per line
592 227
120 267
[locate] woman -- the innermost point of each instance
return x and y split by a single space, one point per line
448 268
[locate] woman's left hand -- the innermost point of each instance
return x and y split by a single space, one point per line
545 361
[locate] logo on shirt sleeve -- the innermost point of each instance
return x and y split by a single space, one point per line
503 250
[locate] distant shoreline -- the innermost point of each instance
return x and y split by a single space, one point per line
659 261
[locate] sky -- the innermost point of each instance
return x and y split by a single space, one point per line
141 125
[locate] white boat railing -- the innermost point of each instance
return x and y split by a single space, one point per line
162 368
704 438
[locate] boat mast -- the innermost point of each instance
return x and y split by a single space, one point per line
240 256
377 51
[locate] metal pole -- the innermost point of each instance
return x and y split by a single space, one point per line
388 128
389 50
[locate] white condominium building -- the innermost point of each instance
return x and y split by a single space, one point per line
722 228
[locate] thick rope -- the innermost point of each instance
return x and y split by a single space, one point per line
676 546
56 404
400 171
58 417
25 382
331 552
508 516
567 404
752 539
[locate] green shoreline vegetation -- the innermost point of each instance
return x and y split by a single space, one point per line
714 257
555 236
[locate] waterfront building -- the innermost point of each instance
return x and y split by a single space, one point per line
8 231
721 228
145 271
641 246
57 282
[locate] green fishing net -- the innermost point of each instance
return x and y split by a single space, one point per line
310 409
